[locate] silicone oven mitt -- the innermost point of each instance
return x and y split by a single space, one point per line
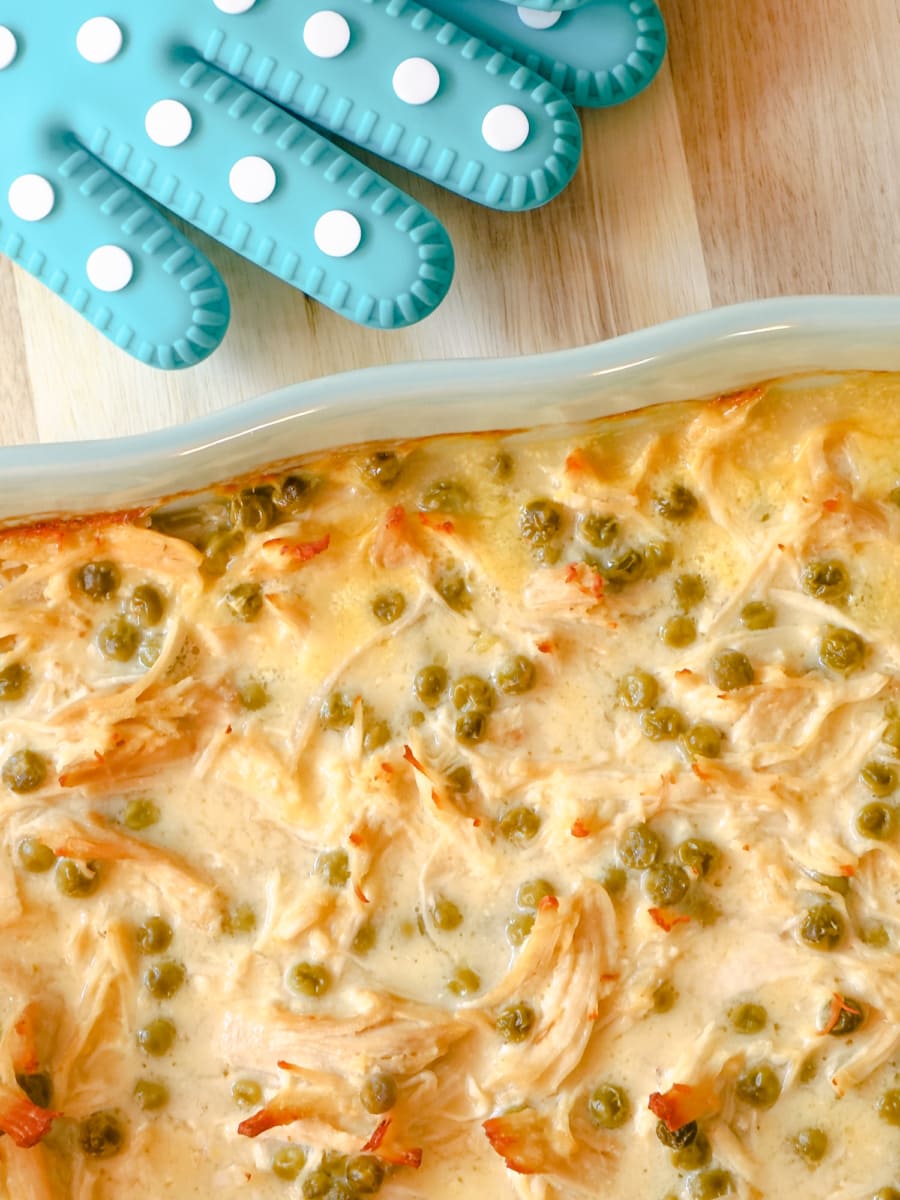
220 112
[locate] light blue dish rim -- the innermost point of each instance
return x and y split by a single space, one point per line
695 356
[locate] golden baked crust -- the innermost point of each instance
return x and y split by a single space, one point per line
480 812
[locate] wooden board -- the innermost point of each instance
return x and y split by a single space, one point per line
765 160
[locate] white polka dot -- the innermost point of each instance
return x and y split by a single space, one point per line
31 197
505 127
416 81
9 47
110 268
168 123
252 179
337 233
326 34
99 40
537 20
234 7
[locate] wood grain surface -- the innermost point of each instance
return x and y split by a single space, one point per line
764 160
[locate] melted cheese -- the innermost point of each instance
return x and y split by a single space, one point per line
254 792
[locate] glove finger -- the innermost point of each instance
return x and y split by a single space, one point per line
400 81
599 55
283 196
95 242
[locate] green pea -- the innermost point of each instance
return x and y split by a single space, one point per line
850 1017
253 695
445 496
157 1037
460 778
37 1086
678 503
694 1156
879 778
678 632
14 680
24 771
662 724
34 856
627 567
221 547
875 936
430 684
98 580
703 741
748 1018
473 694
336 712
389 607
888 1106
842 651
102 1135
316 1185
244 602
519 927
288 1162
614 879
826 580
378 1094
140 814
637 690
309 979
445 915
664 997
887 1193
530 893
758 1086
464 982
677 1139
876 820
891 734
452 586
658 557
666 884
75 881
731 670
241 919
471 727
697 855
246 1092
520 825
375 735
708 1185
364 939
153 936
822 927
334 867
146 605
253 510
540 522
811 1145
639 848
609 1106
500 465
758 614
296 492
689 590
164 979
381 469
151 1095
365 1174
515 1022
515 676
598 529
118 640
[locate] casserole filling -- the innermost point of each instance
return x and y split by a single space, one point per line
498 815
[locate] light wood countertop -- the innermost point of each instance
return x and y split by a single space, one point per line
764 160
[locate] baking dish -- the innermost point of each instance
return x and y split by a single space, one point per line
691 357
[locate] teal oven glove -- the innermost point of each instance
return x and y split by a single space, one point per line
220 111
